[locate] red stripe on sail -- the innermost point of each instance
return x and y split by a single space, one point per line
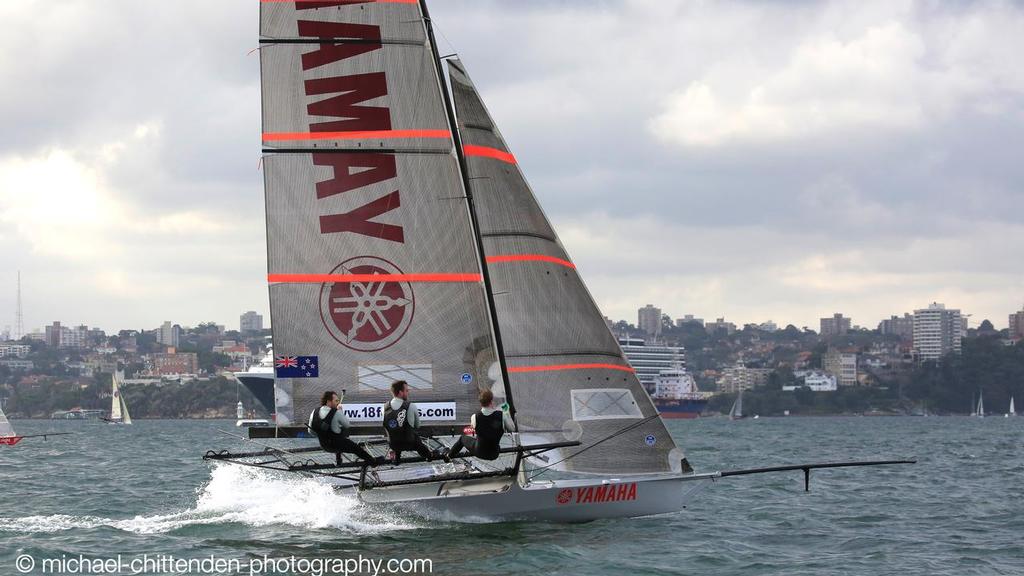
357 135
487 152
570 367
529 258
330 278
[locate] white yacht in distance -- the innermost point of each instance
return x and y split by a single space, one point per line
271 394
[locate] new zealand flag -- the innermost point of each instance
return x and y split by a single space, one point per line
297 367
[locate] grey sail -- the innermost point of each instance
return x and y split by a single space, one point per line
565 366
373 269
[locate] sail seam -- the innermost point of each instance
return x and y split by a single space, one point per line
435 152
512 233
356 135
557 367
615 355
340 40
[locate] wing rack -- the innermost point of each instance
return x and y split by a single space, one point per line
314 462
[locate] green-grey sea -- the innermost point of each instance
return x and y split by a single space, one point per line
143 491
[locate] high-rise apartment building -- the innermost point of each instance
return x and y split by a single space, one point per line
649 320
835 326
896 326
842 365
1017 324
937 331
720 326
250 322
168 334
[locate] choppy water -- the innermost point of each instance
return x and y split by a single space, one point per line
144 490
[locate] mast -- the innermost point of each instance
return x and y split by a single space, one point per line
460 154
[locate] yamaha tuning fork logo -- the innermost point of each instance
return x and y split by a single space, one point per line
367 315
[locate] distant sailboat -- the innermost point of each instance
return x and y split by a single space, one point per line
980 412
7 435
1012 412
736 412
118 408
9 438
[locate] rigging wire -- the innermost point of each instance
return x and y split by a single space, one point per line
446 40
632 426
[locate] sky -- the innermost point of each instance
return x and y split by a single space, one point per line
765 160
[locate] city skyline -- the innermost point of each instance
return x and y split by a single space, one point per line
787 162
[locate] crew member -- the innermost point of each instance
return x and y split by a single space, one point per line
329 424
489 424
401 419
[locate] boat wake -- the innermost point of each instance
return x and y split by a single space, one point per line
236 495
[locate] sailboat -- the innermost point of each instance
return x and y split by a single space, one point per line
118 408
404 243
1012 412
8 437
980 411
736 412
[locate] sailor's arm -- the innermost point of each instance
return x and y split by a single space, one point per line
510 426
413 417
341 424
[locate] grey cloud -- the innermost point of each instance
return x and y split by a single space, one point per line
574 86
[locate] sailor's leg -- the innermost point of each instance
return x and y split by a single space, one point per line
422 449
456 448
347 445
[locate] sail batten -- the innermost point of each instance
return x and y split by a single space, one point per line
565 367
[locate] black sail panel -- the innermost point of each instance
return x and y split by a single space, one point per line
373 271
566 370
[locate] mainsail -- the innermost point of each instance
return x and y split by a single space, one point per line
564 365
373 267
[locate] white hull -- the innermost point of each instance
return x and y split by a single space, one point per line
503 499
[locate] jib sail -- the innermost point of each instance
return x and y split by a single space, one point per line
565 367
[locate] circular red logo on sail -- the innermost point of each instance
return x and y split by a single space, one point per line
564 496
368 315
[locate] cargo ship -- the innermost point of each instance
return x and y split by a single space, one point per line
662 371
676 395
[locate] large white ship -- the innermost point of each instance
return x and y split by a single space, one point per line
661 370
269 392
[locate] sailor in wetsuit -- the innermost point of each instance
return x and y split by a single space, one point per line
401 419
489 424
329 424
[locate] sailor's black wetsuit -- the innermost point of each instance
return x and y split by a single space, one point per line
336 443
486 445
400 432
